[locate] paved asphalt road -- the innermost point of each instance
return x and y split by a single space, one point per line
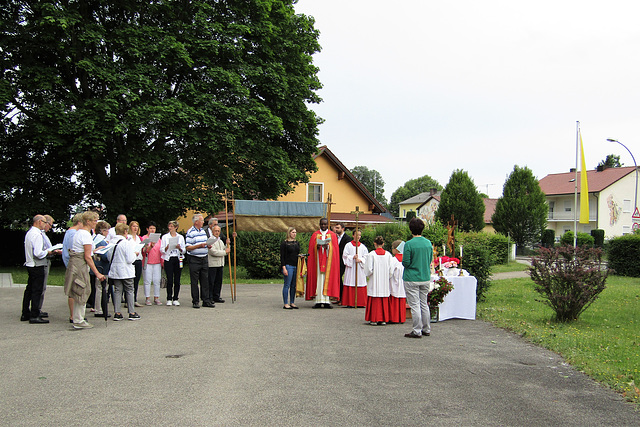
253 363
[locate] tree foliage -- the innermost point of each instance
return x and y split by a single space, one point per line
522 210
611 161
461 199
152 108
412 188
372 180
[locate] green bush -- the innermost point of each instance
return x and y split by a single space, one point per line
623 255
548 238
389 232
598 238
477 261
568 278
436 233
583 239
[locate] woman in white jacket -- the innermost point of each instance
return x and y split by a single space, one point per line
122 271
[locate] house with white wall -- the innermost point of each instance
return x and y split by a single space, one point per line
612 194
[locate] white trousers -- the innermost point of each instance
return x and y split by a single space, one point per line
152 273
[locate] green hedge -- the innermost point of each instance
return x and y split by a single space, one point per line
624 255
548 238
583 239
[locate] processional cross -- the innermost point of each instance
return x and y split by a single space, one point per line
357 213
329 203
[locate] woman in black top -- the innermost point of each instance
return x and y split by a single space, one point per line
289 250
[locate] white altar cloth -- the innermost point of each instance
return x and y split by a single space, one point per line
460 303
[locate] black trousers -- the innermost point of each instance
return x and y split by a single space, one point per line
215 282
199 272
33 291
174 271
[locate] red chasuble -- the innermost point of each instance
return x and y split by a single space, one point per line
329 263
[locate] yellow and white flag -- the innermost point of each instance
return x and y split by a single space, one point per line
584 188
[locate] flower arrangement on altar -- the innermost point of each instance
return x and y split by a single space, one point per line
447 262
441 287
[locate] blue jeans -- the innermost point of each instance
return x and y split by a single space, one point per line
289 288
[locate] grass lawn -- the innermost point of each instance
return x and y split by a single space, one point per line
507 268
604 342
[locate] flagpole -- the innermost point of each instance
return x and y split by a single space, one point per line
575 194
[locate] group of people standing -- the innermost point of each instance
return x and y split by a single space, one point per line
98 276
341 270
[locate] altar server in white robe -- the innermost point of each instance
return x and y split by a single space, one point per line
398 297
351 262
379 269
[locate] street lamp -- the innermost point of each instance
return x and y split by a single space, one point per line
635 203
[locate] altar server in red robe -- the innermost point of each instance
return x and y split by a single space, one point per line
379 269
398 297
323 266
351 263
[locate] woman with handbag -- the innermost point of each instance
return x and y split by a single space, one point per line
77 282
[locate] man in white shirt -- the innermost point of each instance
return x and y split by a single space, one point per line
36 262
47 244
121 219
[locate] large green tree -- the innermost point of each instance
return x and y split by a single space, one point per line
412 188
522 210
461 199
372 180
611 161
153 107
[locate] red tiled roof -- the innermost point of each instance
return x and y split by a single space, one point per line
562 183
489 209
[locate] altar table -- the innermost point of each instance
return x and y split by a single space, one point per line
460 303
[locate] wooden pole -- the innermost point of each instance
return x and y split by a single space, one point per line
357 214
329 203
226 212
235 262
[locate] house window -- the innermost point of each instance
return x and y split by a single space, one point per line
551 206
626 206
568 206
314 192
404 213
626 229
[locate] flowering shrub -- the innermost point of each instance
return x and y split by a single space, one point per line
436 296
569 279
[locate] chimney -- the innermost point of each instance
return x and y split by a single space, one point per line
572 170
433 191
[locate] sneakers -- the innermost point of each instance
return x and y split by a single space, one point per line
169 302
134 316
118 317
83 325
148 302
176 302
156 301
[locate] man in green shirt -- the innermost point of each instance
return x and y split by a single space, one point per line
416 259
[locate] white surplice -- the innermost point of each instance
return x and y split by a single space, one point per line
350 270
397 284
379 269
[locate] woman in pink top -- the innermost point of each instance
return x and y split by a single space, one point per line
152 267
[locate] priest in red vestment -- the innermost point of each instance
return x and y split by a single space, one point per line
323 266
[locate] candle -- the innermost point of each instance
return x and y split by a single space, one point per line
460 251
444 251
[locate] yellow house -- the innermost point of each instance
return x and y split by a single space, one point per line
332 178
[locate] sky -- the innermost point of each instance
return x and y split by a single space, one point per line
421 87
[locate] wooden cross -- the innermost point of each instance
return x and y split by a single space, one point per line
357 213
329 203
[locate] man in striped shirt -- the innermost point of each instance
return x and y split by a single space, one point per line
197 250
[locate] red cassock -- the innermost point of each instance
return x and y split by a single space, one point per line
329 262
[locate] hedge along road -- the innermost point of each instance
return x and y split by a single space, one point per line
253 363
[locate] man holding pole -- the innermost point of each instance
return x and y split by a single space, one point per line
323 274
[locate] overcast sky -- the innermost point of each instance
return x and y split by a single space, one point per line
415 87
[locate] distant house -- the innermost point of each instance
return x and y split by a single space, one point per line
611 200
427 210
332 177
413 203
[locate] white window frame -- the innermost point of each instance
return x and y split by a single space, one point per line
321 184
626 206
